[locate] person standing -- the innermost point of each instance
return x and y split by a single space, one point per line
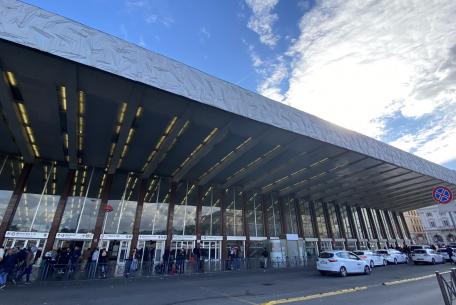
197 254
93 263
103 262
28 266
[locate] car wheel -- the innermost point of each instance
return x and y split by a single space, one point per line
395 261
416 263
433 261
367 270
322 272
343 271
406 260
372 265
385 263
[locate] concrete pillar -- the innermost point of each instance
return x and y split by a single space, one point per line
139 209
101 211
169 224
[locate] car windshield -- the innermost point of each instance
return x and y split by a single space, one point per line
359 252
326 255
442 250
419 251
382 252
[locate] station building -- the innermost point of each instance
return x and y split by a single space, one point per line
90 123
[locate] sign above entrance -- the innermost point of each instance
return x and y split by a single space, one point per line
292 236
235 238
26 235
116 236
184 237
442 194
208 237
74 236
152 237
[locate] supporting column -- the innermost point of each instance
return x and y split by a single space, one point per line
362 222
372 222
313 218
342 229
14 201
60 210
283 220
138 214
329 228
246 225
199 207
398 226
381 224
390 224
404 224
223 223
351 221
299 219
264 209
101 211
169 224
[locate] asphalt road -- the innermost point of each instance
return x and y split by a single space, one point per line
238 288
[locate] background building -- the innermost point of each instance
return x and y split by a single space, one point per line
437 223
415 227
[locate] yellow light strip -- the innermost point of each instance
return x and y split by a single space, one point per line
11 78
63 98
206 140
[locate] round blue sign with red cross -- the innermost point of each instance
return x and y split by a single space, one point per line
442 194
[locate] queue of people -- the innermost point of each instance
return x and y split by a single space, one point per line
15 263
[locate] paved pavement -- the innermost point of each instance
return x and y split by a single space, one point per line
239 288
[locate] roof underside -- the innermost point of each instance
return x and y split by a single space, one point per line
202 129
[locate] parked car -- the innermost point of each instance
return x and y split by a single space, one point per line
429 256
416 247
393 256
443 252
342 263
372 258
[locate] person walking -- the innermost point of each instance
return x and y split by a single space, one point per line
265 255
449 250
197 254
28 266
103 262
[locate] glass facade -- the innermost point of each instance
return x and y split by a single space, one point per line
234 223
385 225
38 203
392 224
184 220
290 215
10 169
120 220
82 205
272 208
376 224
306 219
319 215
334 223
255 215
211 212
155 208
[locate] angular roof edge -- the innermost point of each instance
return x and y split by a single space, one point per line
33 27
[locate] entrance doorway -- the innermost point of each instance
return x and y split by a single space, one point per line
118 251
211 251
151 253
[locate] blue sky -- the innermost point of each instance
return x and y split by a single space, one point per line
386 69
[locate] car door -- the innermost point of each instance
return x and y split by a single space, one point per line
357 263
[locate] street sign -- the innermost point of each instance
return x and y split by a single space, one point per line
442 194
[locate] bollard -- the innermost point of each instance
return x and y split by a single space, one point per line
443 289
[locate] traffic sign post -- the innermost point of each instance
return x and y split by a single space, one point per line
442 194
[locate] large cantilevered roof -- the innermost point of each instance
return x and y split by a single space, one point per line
73 94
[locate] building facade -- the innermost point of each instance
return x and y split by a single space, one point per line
106 144
438 223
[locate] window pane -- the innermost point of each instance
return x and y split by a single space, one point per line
155 213
306 219
346 222
10 170
234 223
334 223
255 215
320 220
272 207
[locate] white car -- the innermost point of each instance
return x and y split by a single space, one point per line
443 252
427 256
342 263
372 258
393 256
416 247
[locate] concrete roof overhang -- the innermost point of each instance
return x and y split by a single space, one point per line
148 114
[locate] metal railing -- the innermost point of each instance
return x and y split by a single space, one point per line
49 271
447 284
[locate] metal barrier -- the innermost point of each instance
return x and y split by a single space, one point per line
49 271
447 284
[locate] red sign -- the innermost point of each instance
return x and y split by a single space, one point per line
108 208
442 194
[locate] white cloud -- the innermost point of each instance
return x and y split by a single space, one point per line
357 62
142 42
262 20
204 31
